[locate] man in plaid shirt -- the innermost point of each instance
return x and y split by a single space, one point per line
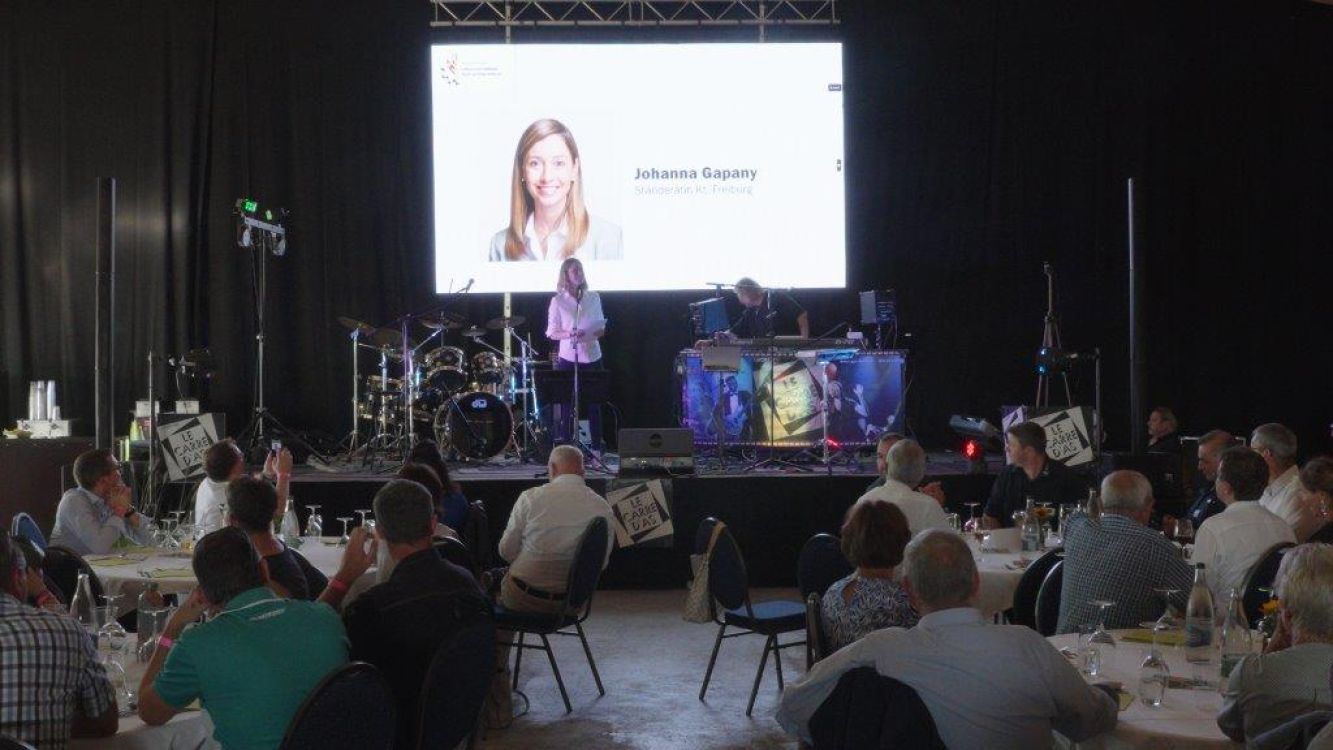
1118 558
51 684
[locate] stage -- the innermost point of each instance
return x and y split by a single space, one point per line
771 511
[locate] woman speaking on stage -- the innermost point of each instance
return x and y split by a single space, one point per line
547 217
575 320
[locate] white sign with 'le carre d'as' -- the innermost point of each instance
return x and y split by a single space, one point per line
641 512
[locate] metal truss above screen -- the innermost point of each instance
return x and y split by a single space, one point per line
619 13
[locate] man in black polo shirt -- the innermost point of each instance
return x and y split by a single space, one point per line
1030 473
397 625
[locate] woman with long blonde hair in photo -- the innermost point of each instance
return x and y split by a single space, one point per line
547 217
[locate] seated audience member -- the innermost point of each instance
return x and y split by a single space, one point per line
1030 473
543 531
1206 503
873 539
52 686
1230 543
223 463
92 517
882 446
1031 692
34 589
254 662
251 503
1163 435
1292 676
905 466
398 625
426 477
1118 558
1317 486
1277 445
452 506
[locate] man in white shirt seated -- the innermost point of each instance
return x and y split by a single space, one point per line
92 517
223 462
904 468
1276 444
544 529
1231 542
991 686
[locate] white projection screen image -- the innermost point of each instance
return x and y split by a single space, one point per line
660 166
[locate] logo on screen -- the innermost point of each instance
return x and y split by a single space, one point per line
449 71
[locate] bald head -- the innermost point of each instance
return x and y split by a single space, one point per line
565 459
940 571
1127 493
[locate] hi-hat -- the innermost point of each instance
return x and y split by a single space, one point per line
352 324
449 320
474 332
513 321
383 338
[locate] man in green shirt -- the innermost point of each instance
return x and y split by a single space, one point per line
254 662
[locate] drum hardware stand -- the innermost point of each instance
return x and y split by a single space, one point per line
263 238
353 439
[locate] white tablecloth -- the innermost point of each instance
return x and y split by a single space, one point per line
1000 570
1186 720
186 731
128 576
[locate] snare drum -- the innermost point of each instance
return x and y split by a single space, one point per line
446 369
488 368
477 425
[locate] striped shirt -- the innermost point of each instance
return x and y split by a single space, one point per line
48 668
1117 559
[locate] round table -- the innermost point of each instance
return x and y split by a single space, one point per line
1187 719
127 574
1000 569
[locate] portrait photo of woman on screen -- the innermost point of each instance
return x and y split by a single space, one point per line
547 216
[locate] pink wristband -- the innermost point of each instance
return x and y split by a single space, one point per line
338 586
164 642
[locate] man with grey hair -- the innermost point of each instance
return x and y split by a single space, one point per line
1277 445
543 531
1035 692
1206 503
904 468
1118 558
1289 678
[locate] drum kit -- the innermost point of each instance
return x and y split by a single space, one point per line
431 387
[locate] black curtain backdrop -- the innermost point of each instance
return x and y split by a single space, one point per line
983 138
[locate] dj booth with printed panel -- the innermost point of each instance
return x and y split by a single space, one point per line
787 391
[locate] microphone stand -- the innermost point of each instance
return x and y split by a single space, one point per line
588 455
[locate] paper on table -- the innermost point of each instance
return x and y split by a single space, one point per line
105 561
1144 635
170 573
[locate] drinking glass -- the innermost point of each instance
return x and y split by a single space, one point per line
1184 531
1020 518
314 525
1101 635
155 622
972 520
111 637
1089 651
347 527
1154 673
954 522
363 514
1166 622
115 674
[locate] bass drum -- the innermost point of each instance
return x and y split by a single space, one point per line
477 425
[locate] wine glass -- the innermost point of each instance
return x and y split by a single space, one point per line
1184 531
314 525
363 514
1100 635
111 637
954 522
1166 622
972 520
347 527
1154 673
115 674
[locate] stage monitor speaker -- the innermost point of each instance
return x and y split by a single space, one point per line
879 307
656 451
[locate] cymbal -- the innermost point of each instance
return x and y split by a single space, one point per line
449 320
514 321
352 324
474 332
387 338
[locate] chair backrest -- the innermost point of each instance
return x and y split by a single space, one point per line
456 685
868 710
350 708
1259 580
1048 600
63 565
454 551
1025 595
728 580
476 534
586 568
9 743
816 641
821 564
24 526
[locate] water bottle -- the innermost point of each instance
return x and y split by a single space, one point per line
1237 641
1031 528
83 608
1199 620
150 603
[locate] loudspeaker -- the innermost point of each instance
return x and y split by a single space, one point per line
656 451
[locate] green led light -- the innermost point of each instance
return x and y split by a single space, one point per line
250 205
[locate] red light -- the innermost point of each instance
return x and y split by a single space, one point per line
834 444
972 450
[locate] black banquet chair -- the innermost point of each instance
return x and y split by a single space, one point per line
1259 581
350 709
456 685
584 573
868 710
821 564
25 527
1024 610
728 585
816 639
451 550
9 743
1048 600
63 566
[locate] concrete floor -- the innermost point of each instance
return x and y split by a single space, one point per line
652 664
